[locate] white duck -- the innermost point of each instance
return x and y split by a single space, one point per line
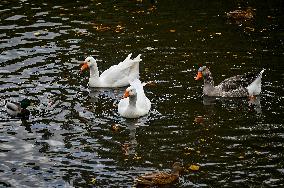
134 103
116 76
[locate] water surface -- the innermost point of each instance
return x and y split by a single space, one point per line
68 140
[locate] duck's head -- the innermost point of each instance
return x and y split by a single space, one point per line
129 92
89 62
177 167
25 103
201 72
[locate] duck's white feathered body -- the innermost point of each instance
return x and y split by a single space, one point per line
116 76
137 104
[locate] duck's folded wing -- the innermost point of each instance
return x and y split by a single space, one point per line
238 81
121 71
155 175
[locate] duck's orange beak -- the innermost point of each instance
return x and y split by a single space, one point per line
84 67
198 76
126 94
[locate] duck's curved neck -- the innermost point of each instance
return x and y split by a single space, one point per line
208 79
94 72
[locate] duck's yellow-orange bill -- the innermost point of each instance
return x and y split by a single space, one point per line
84 67
198 76
126 94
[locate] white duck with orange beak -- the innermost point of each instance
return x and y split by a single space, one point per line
116 76
134 103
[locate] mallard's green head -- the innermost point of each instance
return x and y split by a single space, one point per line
25 103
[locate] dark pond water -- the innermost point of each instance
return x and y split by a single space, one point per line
68 140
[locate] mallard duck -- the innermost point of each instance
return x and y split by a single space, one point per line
160 178
237 86
18 109
116 76
134 102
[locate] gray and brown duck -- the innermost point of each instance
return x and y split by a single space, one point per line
247 85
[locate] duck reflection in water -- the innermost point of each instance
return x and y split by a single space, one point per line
95 93
253 104
129 147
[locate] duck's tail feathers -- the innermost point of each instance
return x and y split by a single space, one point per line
128 57
255 87
134 68
138 58
128 62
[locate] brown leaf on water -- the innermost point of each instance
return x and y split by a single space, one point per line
199 119
172 30
101 27
125 149
119 28
115 127
136 157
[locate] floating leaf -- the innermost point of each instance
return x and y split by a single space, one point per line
194 167
199 119
125 149
172 30
241 157
93 180
136 157
115 127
